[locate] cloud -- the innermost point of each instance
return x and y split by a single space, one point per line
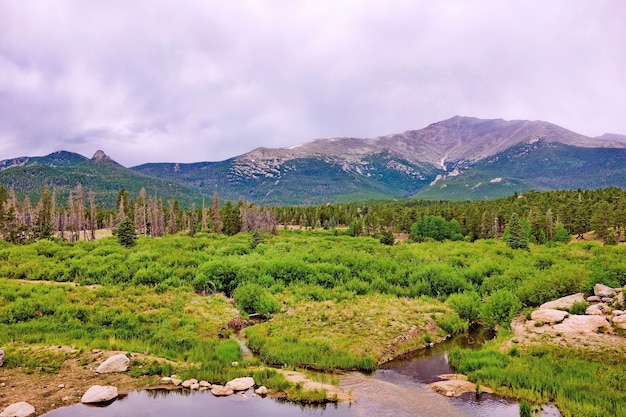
190 81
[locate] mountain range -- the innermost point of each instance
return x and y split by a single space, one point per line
456 159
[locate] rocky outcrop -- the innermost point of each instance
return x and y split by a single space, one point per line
22 409
603 291
116 363
564 303
583 324
547 315
241 384
99 394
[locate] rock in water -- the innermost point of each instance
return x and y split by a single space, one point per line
99 394
116 363
22 409
1 357
241 384
221 391
262 390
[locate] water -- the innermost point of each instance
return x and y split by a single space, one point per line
398 389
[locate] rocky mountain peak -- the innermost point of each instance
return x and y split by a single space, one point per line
100 156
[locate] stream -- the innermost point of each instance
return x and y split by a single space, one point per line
397 389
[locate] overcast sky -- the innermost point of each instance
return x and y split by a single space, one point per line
189 81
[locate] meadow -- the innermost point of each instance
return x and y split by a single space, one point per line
336 302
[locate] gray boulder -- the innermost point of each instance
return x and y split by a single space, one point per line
594 299
564 303
546 315
221 391
241 384
620 321
262 390
1 357
99 394
116 363
595 310
603 291
21 409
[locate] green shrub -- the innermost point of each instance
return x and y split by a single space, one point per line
466 304
252 298
500 308
579 307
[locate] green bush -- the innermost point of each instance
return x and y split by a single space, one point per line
466 304
500 308
579 308
252 298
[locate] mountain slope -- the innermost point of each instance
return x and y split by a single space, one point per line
63 171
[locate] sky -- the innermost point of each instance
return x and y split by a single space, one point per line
205 80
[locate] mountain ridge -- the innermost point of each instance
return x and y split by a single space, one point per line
469 151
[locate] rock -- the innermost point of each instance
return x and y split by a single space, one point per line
594 310
221 391
602 291
620 321
620 298
22 409
187 384
594 299
564 303
618 312
194 387
1 357
205 384
608 300
116 363
241 384
99 394
582 324
193 380
166 379
547 315
176 381
262 390
67 398
61 386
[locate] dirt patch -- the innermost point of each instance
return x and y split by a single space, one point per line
333 393
47 391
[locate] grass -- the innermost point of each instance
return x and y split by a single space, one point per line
581 383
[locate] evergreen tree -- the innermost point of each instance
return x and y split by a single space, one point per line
231 219
515 238
126 234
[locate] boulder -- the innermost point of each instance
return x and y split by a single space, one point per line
564 303
205 384
99 394
221 391
618 312
116 363
582 324
194 386
241 384
602 291
22 409
187 384
176 381
1 357
620 321
547 315
595 310
262 390
594 299
608 300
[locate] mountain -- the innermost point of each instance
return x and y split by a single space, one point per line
62 171
459 158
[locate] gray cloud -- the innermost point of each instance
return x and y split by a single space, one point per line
191 81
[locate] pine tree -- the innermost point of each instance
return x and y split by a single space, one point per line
232 219
515 238
126 234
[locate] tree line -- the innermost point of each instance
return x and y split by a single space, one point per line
78 219
543 216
